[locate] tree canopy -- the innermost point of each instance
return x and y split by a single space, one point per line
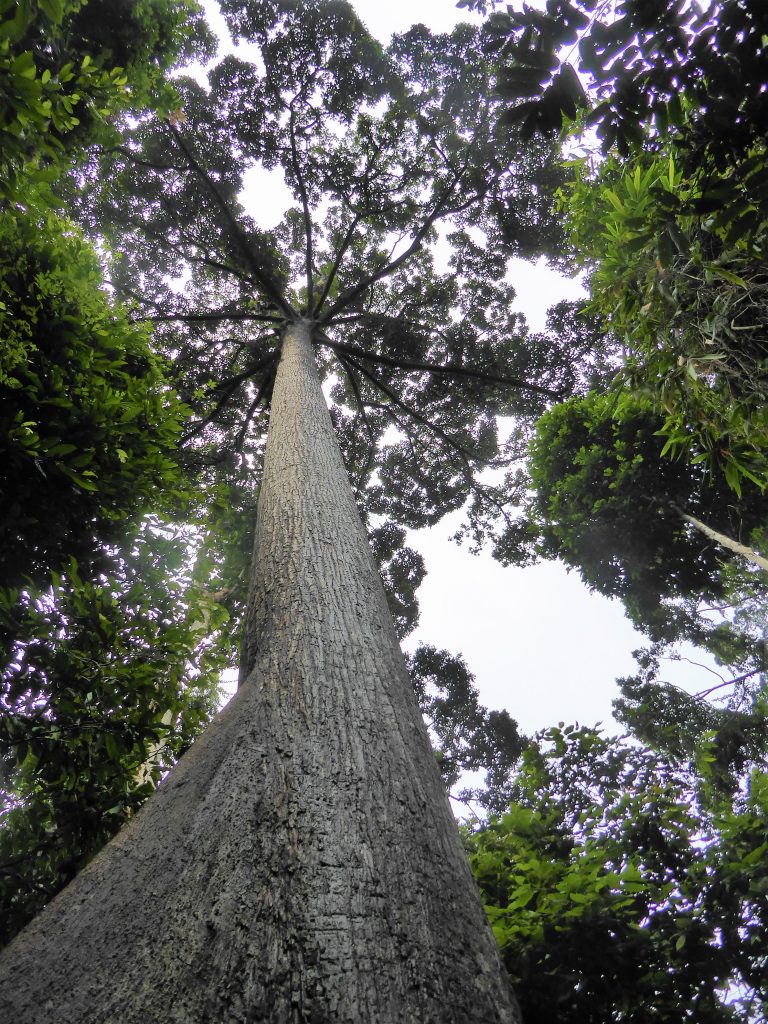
145 413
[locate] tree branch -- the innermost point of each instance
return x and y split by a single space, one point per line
336 263
260 276
305 206
268 378
356 290
723 539
360 413
221 314
448 368
227 392
466 455
729 682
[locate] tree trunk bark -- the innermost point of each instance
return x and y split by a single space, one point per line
301 863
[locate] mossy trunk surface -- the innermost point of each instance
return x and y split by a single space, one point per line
301 863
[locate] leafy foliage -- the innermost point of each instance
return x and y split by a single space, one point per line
599 496
605 502
723 740
69 67
88 424
616 897
637 60
385 324
672 234
107 648
469 736
105 683
686 297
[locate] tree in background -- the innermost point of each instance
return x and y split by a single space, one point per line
468 737
651 491
673 232
620 889
673 546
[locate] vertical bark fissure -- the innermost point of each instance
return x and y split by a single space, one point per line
301 863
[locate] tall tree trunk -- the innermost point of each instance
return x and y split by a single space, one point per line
301 863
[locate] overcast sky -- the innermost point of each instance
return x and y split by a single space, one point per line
539 644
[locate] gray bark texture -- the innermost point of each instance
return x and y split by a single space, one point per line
301 862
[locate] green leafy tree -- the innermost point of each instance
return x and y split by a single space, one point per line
604 500
685 295
89 423
616 896
89 431
695 73
674 546
104 685
69 68
314 803
672 231
470 738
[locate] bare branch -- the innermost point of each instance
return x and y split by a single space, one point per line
305 206
454 369
729 682
259 274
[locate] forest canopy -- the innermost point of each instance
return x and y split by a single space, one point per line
143 309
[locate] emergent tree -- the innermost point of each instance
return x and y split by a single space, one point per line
301 862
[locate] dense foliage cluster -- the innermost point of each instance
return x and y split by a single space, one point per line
618 894
106 671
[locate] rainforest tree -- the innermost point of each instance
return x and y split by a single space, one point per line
671 227
301 861
622 887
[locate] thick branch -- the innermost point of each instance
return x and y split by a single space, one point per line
221 314
136 159
364 416
449 368
465 454
261 277
724 540
307 218
179 247
265 385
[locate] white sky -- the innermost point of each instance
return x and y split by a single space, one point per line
539 644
